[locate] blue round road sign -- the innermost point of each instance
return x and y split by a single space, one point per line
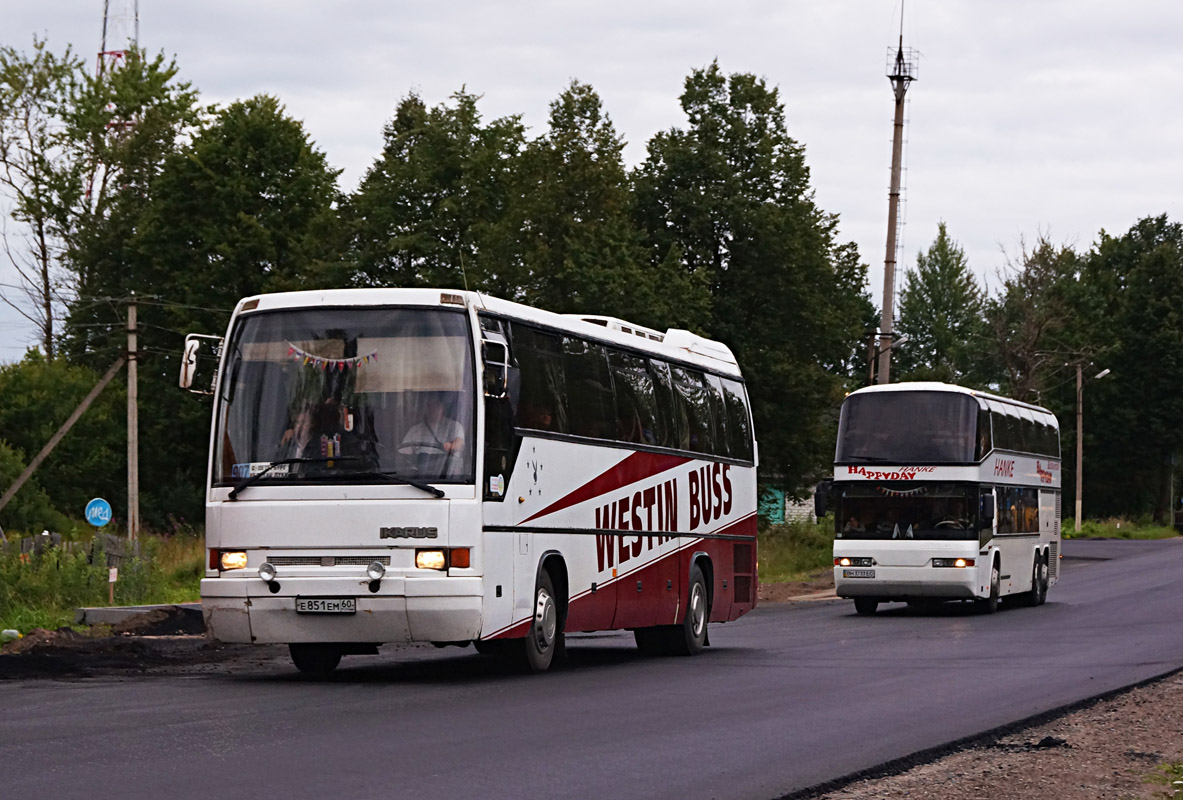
98 512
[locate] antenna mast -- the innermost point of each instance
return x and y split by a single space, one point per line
901 71
121 33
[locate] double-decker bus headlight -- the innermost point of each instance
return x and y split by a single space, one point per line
430 559
960 563
233 559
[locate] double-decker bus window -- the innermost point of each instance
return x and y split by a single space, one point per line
544 391
636 399
985 438
883 428
590 405
692 388
1018 509
739 420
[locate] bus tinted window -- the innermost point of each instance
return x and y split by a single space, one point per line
695 394
882 427
636 398
590 406
544 395
739 422
673 430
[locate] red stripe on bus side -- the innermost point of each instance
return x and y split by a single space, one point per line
633 468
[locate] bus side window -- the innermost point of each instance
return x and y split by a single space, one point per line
590 404
636 399
739 420
544 388
691 389
672 429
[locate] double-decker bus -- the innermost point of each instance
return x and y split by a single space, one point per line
940 493
414 465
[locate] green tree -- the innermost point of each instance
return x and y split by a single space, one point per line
729 198
1029 320
1135 284
36 397
572 225
941 308
247 207
35 90
428 212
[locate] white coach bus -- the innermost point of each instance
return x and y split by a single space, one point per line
944 493
414 465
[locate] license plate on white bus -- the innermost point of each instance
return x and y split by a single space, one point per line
858 573
326 605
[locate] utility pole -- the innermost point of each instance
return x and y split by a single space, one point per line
901 73
1079 440
133 426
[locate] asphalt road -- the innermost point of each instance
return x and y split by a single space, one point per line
788 697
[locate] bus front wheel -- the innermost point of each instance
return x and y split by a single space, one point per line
865 605
544 637
990 604
315 659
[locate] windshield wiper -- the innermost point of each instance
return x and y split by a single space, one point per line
252 480
391 477
869 459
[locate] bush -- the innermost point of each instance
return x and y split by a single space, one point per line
43 590
795 550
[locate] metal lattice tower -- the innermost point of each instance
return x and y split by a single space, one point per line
121 33
901 71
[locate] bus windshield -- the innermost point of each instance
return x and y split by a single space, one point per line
347 394
930 511
908 428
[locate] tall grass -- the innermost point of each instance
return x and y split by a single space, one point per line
1117 529
42 590
795 550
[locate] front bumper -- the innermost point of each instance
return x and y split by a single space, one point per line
903 583
421 609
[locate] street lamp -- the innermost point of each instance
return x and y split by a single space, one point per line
876 350
1080 435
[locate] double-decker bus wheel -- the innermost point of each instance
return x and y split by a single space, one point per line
990 604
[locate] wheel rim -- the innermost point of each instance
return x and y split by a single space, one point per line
995 584
698 609
546 620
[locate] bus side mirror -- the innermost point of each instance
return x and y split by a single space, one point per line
986 510
821 498
496 357
189 361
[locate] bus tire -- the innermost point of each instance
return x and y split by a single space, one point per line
544 637
315 659
689 638
1044 577
865 606
990 604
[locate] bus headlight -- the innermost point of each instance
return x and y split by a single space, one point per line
959 563
267 571
430 559
376 570
233 559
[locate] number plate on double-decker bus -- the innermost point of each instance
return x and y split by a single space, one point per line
858 573
326 605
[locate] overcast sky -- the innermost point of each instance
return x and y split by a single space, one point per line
1029 117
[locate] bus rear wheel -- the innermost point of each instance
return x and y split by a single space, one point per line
689 638
315 659
865 605
1039 581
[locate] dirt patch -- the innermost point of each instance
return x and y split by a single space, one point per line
790 590
1114 748
168 621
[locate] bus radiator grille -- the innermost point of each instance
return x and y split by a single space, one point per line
328 561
